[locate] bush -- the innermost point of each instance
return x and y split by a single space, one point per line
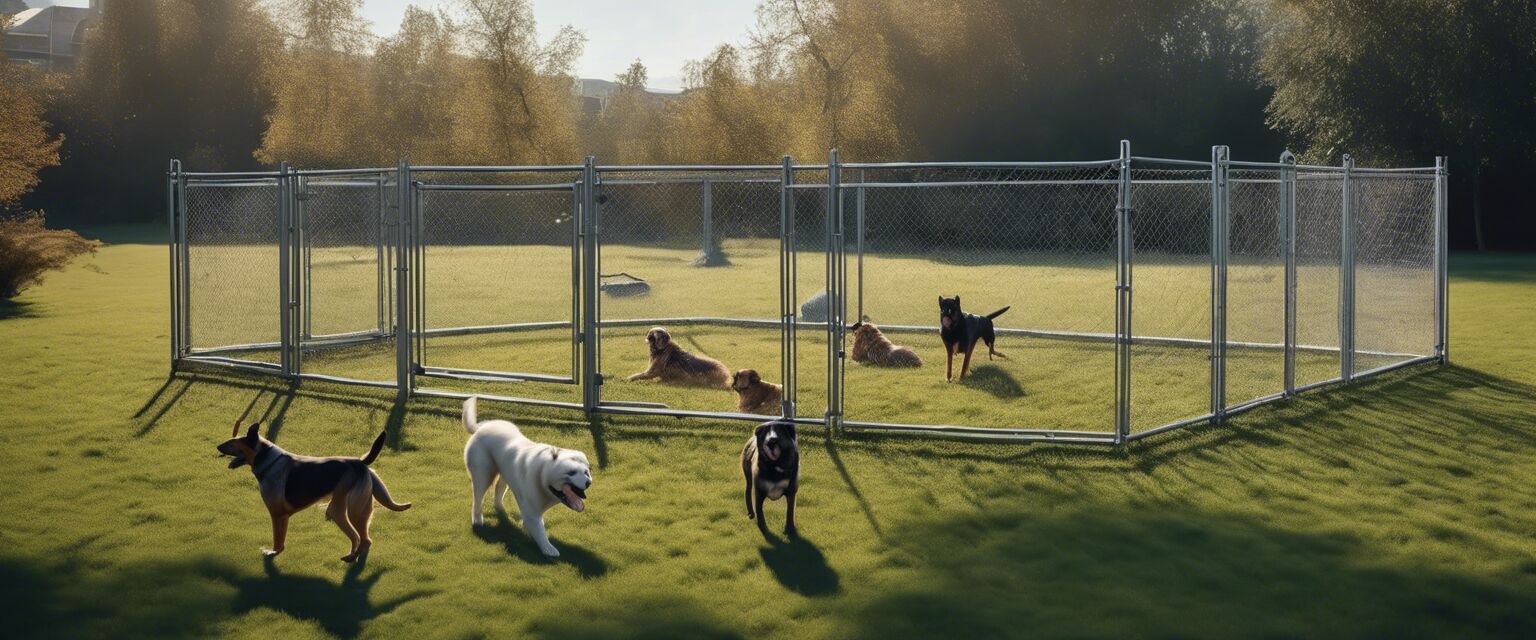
28 249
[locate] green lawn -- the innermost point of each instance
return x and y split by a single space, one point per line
1400 507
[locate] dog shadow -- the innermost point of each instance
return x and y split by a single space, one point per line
341 609
798 565
994 380
519 545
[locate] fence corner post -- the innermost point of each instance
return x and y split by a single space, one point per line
403 290
1123 257
1347 276
1288 247
1220 219
173 243
1442 261
591 378
835 301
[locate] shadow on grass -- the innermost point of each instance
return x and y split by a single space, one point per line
646 616
1125 572
17 309
994 380
519 545
798 565
176 599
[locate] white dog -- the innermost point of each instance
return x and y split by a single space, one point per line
540 475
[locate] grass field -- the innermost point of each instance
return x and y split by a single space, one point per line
1400 507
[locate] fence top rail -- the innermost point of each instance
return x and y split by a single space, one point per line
698 168
342 172
436 168
979 165
225 175
1173 161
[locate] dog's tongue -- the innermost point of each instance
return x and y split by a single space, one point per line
573 500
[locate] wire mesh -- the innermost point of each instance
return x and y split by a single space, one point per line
1171 295
1319 241
1394 268
232 271
346 282
1255 285
498 277
1039 242
706 247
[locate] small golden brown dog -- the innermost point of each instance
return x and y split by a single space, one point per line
673 365
291 483
871 347
755 396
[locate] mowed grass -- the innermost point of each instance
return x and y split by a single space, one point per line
1400 507
1043 383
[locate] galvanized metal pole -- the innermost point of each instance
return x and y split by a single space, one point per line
1220 218
707 232
1288 244
591 378
1124 252
1347 277
306 276
285 269
403 310
859 245
1442 263
787 308
835 310
173 244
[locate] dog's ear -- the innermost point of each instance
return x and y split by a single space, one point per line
254 432
957 301
752 376
554 453
941 299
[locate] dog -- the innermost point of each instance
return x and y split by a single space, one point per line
671 364
755 396
870 346
961 330
539 475
771 464
290 483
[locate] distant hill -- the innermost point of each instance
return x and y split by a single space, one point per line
601 89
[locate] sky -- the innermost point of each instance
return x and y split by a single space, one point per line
664 34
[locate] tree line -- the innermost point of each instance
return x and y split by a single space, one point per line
243 84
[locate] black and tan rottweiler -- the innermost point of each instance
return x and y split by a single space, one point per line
290 483
771 464
960 331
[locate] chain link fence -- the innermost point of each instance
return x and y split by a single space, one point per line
1127 296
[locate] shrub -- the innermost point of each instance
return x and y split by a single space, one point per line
28 249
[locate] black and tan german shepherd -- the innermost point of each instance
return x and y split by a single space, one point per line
960 331
291 483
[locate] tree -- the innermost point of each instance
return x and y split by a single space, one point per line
322 114
26 145
1397 82
517 105
629 128
416 79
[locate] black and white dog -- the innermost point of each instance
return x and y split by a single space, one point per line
771 464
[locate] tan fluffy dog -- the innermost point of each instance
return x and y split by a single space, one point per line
872 347
673 365
756 396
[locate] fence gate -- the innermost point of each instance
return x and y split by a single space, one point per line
496 262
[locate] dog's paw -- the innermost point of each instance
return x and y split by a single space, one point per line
791 532
550 552
270 553
351 557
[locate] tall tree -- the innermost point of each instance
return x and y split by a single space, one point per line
416 79
517 105
1401 81
26 144
323 114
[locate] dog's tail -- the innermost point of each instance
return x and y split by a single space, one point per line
469 415
999 312
378 445
381 493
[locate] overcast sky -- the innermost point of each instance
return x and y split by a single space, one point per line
662 33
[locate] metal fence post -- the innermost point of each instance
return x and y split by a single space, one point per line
835 302
591 378
787 309
404 378
173 243
1123 259
1220 218
285 269
858 222
1442 263
707 228
1288 244
1347 278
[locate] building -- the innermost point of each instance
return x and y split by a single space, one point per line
50 37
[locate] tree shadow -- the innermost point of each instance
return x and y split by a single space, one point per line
798 565
1175 573
994 380
17 309
518 545
341 609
